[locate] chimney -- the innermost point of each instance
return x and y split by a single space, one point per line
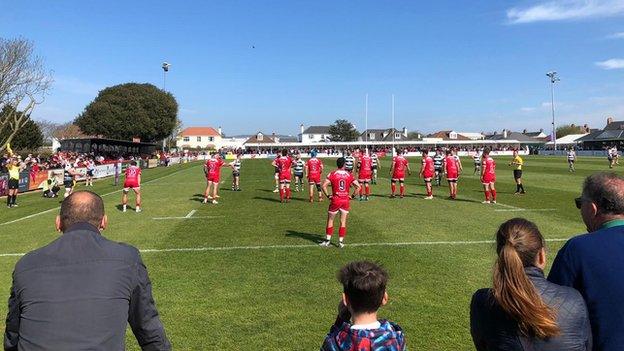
609 120
220 131
586 128
301 128
541 130
505 133
405 132
524 131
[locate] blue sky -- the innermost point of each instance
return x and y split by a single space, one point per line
474 65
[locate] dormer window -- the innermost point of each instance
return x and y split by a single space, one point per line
260 136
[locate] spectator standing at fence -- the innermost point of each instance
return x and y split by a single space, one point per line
523 311
357 327
593 263
80 291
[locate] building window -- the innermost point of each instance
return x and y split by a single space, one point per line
211 139
452 135
397 135
371 136
186 139
198 138
260 137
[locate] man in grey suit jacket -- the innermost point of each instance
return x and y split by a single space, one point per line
80 291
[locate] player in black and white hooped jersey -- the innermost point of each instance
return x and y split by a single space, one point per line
438 165
298 168
375 166
236 167
571 159
476 157
349 162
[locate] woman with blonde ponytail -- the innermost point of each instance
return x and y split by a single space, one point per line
523 311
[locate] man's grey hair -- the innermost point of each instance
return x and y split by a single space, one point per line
606 190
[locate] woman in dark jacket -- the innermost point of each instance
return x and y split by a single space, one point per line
523 311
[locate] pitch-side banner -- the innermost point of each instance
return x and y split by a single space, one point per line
24 181
37 180
4 184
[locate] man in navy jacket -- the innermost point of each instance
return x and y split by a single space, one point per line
593 263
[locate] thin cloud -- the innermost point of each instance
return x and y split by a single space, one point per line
561 10
76 86
611 64
528 109
619 35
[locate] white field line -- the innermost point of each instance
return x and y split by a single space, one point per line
270 247
508 206
198 217
528 210
190 214
110 193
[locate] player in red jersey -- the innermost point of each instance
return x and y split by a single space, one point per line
341 182
284 163
313 170
365 174
397 173
427 171
212 170
488 176
452 168
132 181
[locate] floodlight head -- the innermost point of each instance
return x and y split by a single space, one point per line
165 66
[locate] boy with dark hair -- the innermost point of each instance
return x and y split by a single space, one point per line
357 327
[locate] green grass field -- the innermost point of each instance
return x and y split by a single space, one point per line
258 281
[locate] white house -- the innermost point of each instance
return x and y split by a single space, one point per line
199 138
314 134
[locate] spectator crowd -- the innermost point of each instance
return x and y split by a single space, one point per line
578 306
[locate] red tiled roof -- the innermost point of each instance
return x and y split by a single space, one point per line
199 131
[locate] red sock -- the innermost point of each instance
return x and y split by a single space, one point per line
402 187
282 194
487 195
329 231
367 189
393 187
288 193
342 232
493 194
429 192
360 191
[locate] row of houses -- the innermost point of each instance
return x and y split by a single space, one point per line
211 138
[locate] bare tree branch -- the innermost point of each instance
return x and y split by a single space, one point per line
24 83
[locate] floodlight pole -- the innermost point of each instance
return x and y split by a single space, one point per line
165 66
553 79
366 122
393 133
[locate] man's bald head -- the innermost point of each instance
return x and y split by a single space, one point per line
81 207
606 190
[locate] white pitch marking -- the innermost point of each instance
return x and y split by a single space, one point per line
508 206
186 217
190 214
268 247
528 210
112 192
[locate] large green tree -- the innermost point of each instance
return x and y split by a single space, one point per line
567 130
343 130
28 137
130 110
